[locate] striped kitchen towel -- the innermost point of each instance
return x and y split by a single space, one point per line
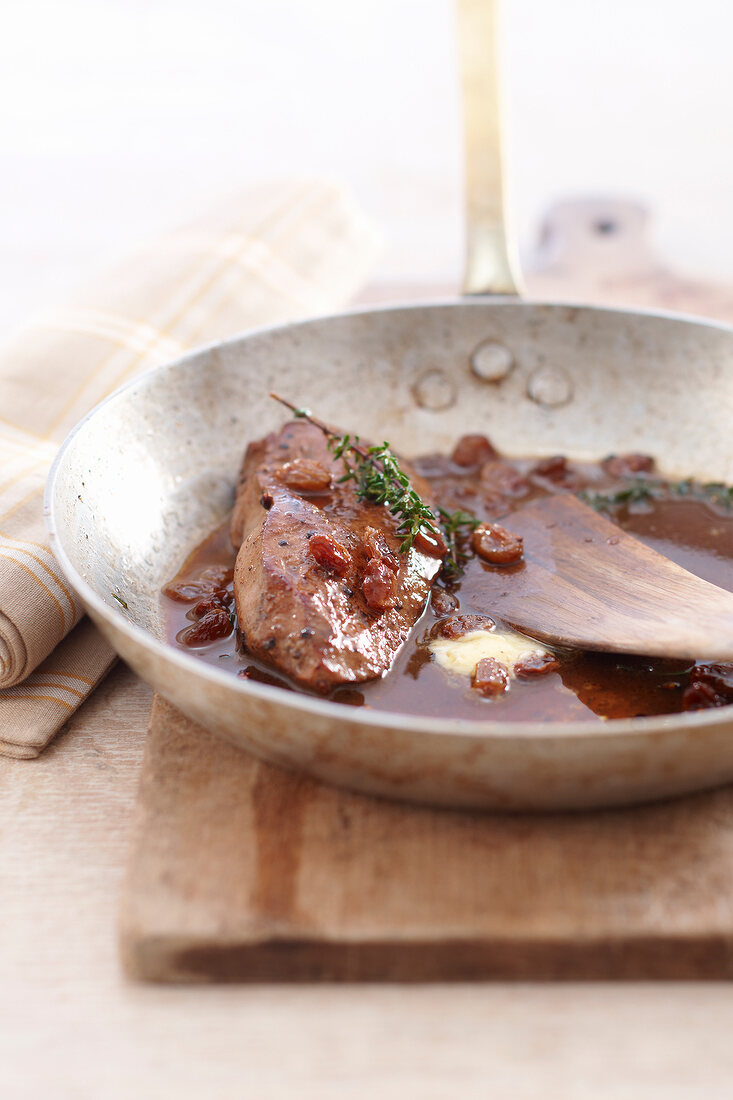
274 254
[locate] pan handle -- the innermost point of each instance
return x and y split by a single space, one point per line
491 265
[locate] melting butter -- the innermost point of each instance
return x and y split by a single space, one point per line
461 655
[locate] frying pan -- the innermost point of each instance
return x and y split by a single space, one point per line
150 472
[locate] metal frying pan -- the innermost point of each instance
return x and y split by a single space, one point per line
151 471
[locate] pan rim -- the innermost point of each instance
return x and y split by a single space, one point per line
479 729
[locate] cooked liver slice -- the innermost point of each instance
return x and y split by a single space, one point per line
309 620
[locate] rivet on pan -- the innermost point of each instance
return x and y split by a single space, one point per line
434 390
550 386
491 362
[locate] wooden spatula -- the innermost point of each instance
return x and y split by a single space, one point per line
587 584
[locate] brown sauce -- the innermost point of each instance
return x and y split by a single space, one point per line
690 523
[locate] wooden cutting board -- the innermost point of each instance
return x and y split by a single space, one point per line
242 872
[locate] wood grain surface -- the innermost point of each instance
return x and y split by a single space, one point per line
243 871
616 595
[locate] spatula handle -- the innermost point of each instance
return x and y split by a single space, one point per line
491 265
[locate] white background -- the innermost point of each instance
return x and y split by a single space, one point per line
120 117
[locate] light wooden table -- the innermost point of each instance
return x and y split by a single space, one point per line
71 1027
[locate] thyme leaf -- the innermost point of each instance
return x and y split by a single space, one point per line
119 599
457 526
632 494
716 492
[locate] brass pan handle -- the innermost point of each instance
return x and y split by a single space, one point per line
491 265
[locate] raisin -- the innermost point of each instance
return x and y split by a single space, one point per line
717 673
377 547
554 468
496 545
209 603
223 597
458 625
215 624
189 591
431 543
220 575
490 677
304 475
711 685
537 664
628 465
329 553
443 602
554 473
473 450
379 585
699 696
501 479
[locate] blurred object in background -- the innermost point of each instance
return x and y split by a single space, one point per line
600 250
123 115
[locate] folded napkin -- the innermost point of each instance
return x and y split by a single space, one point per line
275 253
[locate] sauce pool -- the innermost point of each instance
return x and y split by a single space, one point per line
690 523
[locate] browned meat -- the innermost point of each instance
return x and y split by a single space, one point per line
321 589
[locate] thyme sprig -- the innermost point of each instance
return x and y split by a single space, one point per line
717 493
457 526
379 478
640 491
636 493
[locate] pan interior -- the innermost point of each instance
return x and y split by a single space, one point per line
152 470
